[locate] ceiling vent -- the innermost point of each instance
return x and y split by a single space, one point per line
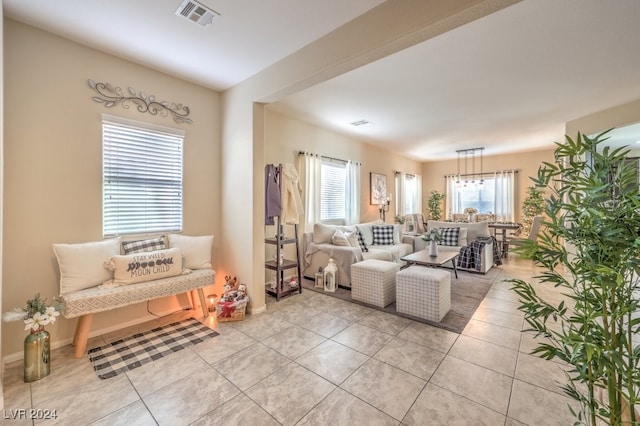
196 12
360 123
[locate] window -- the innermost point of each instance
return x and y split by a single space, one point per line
332 192
142 177
496 195
482 198
408 193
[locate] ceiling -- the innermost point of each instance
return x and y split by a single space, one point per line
507 82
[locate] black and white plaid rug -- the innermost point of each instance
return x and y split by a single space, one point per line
142 348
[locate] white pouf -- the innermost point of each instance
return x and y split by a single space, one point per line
423 292
374 282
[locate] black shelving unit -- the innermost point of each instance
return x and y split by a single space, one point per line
280 240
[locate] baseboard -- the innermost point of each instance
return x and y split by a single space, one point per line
17 356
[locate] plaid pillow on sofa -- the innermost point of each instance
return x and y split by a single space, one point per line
363 246
449 236
382 235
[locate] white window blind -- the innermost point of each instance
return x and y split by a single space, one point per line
332 192
142 177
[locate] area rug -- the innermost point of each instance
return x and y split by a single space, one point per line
467 292
142 348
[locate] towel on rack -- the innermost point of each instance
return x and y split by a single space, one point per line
272 197
292 207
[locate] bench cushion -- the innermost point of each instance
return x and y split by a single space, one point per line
99 299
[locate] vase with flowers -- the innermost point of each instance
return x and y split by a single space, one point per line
470 211
37 348
434 236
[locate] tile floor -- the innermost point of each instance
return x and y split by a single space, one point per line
314 360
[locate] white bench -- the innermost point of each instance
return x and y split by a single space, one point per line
85 303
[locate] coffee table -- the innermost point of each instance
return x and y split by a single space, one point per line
423 258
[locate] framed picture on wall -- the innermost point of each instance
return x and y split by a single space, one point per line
378 188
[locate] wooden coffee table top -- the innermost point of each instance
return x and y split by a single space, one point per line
422 257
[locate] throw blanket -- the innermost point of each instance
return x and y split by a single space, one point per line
343 256
471 255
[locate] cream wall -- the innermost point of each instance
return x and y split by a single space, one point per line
53 164
286 136
527 163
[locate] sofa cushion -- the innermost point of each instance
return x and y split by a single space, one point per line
378 254
449 236
367 230
474 230
383 235
361 242
324 233
462 237
347 239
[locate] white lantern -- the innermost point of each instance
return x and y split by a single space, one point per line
329 276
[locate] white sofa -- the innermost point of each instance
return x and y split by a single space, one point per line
318 247
468 233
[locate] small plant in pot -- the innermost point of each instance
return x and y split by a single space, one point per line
590 247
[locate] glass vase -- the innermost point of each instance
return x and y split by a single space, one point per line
37 354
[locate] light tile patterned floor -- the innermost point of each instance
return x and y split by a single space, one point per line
316 360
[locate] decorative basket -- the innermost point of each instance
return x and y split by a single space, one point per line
231 311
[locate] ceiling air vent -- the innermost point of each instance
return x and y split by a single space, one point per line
360 123
196 12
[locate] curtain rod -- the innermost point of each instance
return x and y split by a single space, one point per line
481 174
328 158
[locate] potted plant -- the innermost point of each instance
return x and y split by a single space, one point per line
532 205
37 348
433 205
434 236
591 248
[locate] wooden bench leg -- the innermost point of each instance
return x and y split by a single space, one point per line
203 304
82 335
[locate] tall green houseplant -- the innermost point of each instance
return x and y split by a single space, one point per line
590 247
532 206
433 204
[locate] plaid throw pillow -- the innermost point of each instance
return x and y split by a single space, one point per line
363 246
449 236
143 246
382 235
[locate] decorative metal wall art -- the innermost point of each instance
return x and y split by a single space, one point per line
111 96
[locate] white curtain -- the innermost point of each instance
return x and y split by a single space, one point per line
310 164
505 196
408 193
416 196
399 188
451 200
352 193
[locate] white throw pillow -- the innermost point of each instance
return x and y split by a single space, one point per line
462 237
196 251
81 265
352 237
339 239
146 266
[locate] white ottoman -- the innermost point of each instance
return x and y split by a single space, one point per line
423 292
374 282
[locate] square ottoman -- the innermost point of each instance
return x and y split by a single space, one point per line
423 292
374 282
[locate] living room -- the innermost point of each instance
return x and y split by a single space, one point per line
52 165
